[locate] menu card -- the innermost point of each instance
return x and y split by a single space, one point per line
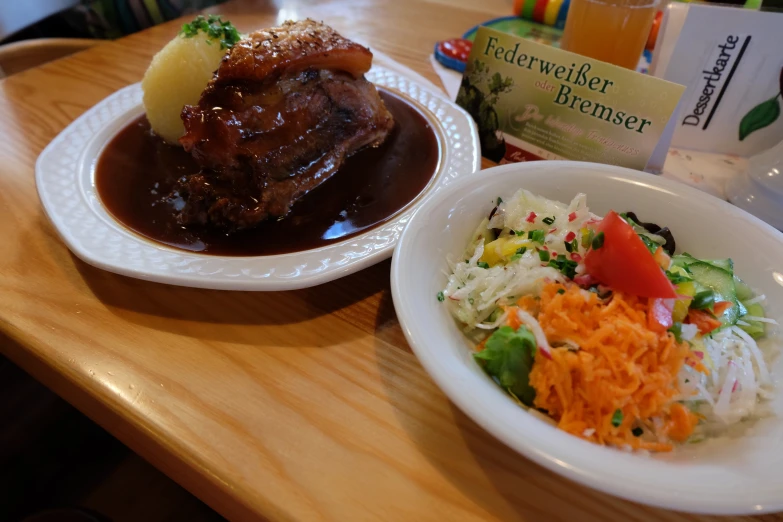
731 62
532 102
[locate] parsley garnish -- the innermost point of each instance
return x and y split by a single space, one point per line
441 297
214 28
482 264
500 200
560 291
617 418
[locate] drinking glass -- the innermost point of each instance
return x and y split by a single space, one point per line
613 31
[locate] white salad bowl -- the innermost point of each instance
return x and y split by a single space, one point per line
739 473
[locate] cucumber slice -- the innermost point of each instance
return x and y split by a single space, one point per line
683 260
721 282
744 292
686 260
755 328
678 270
726 264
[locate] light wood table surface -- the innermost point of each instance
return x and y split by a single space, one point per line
305 405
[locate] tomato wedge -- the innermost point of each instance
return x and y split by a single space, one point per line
623 262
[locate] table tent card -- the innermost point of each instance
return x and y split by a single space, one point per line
532 102
731 63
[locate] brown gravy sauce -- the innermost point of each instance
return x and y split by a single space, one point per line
136 172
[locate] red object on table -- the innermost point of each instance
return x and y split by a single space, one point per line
457 48
539 11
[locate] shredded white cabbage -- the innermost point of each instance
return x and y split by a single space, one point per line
738 378
475 293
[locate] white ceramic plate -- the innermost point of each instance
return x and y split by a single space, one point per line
65 179
742 475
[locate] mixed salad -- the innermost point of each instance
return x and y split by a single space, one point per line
596 323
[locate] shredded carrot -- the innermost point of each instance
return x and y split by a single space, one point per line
512 319
620 365
529 304
681 422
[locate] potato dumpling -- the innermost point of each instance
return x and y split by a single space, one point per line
180 71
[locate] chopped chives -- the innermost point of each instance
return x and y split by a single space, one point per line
543 255
548 220
617 418
441 297
560 291
676 330
536 235
598 241
482 264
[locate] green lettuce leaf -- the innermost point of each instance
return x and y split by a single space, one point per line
508 358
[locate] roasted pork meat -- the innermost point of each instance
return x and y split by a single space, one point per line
282 113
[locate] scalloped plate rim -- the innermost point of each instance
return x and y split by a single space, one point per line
368 248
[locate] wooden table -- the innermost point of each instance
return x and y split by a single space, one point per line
305 405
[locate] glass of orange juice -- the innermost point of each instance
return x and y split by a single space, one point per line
613 31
